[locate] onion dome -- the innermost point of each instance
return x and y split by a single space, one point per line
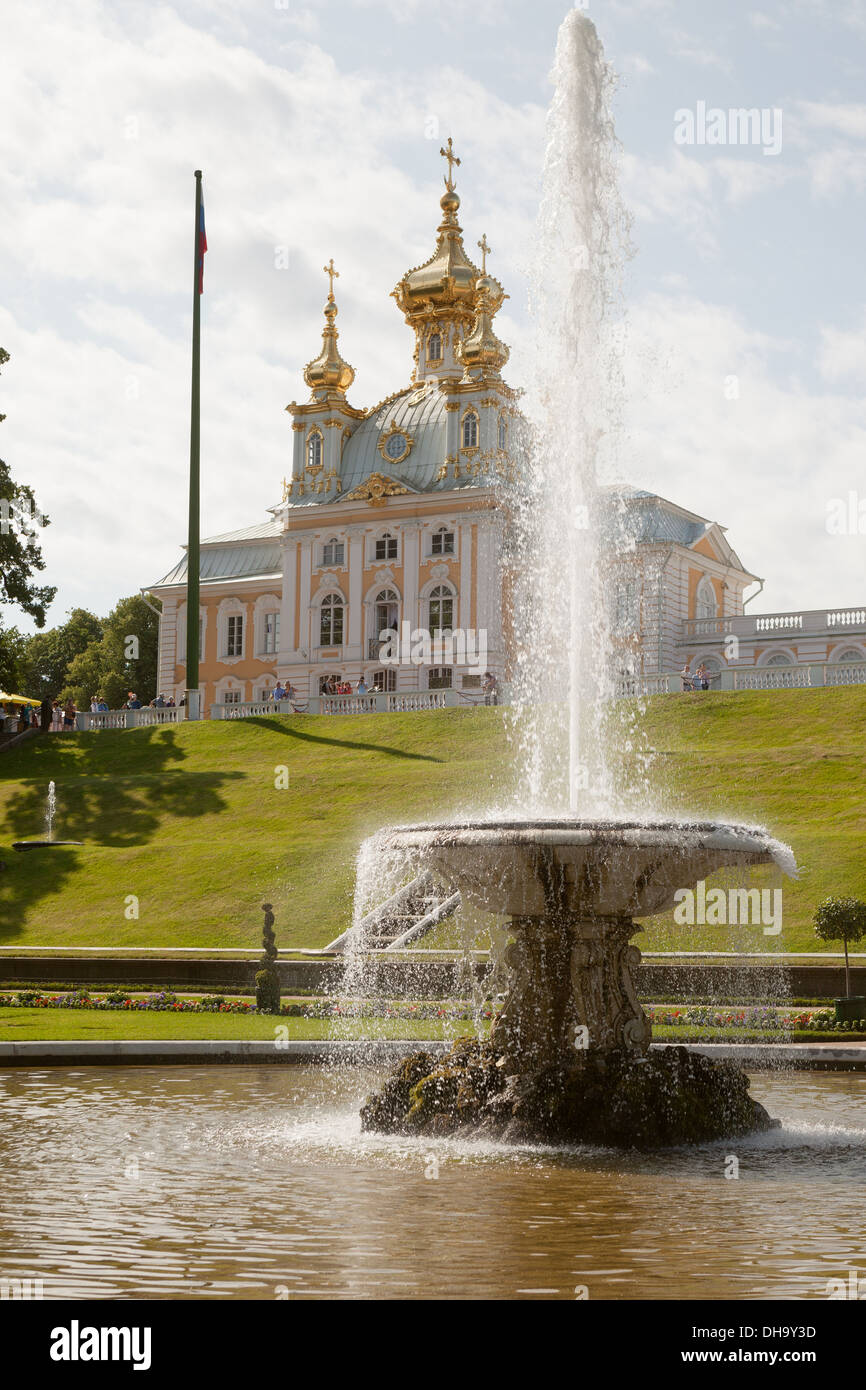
447 281
328 374
481 352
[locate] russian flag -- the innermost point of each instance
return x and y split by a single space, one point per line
202 247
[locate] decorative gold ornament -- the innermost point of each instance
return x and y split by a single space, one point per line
375 489
392 432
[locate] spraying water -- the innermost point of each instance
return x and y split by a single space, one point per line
564 667
50 812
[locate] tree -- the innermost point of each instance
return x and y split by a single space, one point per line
841 919
20 553
50 654
123 657
13 645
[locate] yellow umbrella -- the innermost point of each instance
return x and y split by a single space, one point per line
17 699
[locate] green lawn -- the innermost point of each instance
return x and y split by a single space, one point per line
73 1025
188 818
22 1025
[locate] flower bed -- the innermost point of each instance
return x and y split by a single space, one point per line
753 1018
168 1002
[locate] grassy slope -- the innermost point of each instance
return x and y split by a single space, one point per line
189 820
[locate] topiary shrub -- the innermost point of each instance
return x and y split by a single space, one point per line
267 979
841 919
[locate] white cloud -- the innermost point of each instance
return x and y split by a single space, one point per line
764 464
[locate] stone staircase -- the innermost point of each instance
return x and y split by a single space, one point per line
405 917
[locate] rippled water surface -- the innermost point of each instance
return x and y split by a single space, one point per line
256 1182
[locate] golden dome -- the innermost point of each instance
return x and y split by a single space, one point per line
481 352
447 281
329 373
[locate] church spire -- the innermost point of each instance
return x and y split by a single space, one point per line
328 375
438 297
481 354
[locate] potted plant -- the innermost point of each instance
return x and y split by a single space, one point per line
844 919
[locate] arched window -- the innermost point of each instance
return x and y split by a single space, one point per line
314 450
470 430
434 347
780 659
385 680
706 604
850 654
331 621
387 611
442 542
441 610
503 432
324 682
386 547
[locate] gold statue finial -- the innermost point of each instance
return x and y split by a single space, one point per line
448 153
331 273
484 248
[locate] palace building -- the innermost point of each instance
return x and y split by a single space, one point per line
392 518
389 515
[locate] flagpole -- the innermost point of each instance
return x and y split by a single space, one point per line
193 703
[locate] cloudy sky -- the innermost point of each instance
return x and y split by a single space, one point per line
317 124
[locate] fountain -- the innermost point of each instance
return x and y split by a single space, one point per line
49 842
568 1057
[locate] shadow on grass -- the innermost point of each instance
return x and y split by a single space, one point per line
277 727
104 802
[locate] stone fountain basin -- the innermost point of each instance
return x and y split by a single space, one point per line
606 868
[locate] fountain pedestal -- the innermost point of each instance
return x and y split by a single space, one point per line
571 990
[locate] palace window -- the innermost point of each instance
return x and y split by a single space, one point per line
503 432
625 613
331 621
231 697
387 611
333 552
439 678
471 682
271 632
706 605
314 450
470 430
434 347
780 659
441 611
385 680
386 547
442 542
235 635
323 681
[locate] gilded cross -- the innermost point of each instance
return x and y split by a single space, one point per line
484 250
331 273
448 152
